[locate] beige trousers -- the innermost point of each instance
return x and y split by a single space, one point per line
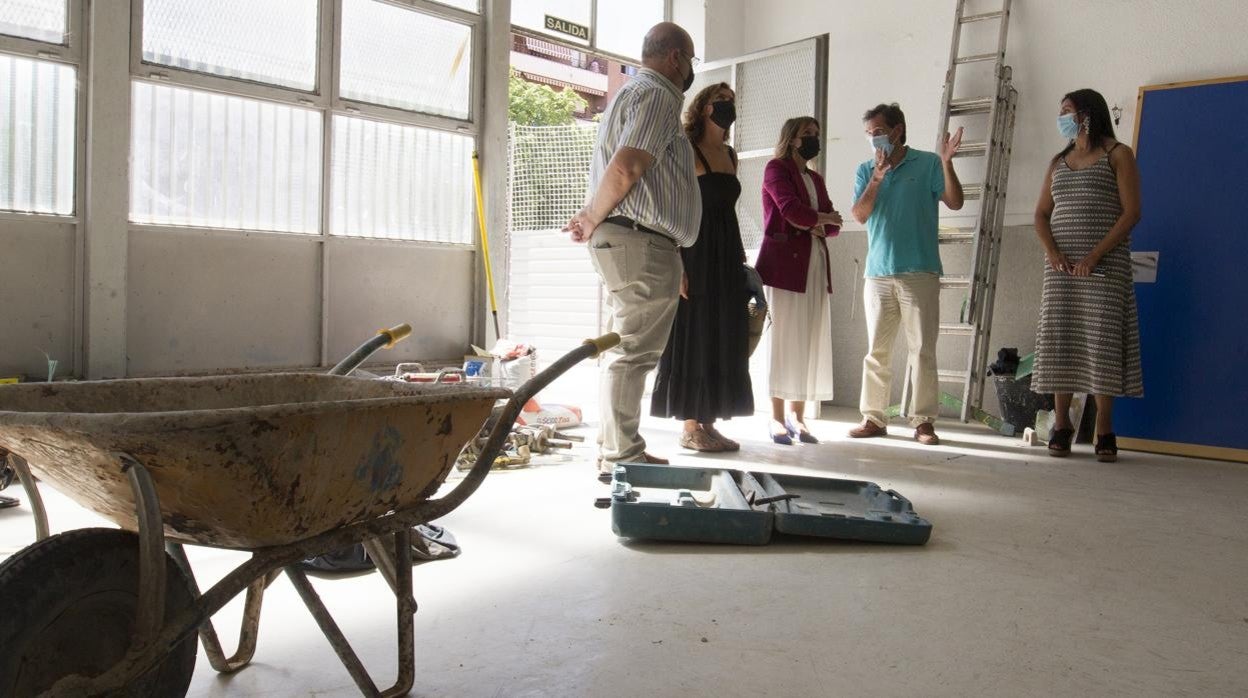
910 301
641 275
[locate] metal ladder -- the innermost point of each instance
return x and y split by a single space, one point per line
984 238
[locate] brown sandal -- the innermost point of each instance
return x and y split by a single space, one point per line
727 443
700 441
1107 448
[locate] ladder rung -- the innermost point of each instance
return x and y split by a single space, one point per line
949 376
977 58
957 328
972 150
955 282
957 236
980 18
972 105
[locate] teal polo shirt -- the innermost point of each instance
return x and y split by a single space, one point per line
903 230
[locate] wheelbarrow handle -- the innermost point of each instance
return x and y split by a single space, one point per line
384 339
604 343
396 334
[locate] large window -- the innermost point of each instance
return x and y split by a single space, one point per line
401 182
38 108
235 38
38 20
207 159
236 126
610 26
383 61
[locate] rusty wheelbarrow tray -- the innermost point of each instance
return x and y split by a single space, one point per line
285 466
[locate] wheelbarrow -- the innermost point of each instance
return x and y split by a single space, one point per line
283 466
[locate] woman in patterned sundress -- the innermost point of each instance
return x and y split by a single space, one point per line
1088 339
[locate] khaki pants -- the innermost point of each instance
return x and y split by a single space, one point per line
641 275
911 301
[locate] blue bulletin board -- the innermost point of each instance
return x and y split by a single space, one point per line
1191 142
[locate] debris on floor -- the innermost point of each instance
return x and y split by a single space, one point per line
524 442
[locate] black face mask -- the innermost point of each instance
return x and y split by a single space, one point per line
809 147
688 80
723 114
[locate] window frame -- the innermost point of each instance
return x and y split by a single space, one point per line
325 95
69 53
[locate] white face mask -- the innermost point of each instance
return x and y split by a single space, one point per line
881 142
1067 127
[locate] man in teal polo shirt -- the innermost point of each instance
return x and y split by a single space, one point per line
896 195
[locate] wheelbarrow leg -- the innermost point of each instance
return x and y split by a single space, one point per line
405 605
151 607
32 493
405 609
386 565
376 548
332 633
249 632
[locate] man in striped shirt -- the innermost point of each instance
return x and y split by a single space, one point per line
644 205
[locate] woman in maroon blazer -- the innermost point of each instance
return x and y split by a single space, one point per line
793 262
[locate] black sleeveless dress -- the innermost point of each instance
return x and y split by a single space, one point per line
704 371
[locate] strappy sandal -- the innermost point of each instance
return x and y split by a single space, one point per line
1059 443
1107 448
700 441
799 430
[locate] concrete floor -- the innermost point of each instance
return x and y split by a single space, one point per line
1042 577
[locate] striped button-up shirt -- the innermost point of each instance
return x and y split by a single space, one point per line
645 115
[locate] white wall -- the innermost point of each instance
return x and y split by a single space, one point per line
725 27
716 26
897 50
37 296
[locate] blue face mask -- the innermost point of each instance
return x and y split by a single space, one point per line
881 142
1067 127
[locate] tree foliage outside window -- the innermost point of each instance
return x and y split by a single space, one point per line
531 104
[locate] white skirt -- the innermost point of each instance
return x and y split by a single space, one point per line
801 336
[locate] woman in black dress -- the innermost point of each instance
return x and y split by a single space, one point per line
704 373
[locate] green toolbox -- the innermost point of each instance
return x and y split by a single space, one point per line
712 505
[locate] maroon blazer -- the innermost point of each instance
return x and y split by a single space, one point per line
784 258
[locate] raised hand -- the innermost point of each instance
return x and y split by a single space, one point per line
949 145
882 166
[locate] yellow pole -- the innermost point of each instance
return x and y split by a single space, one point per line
485 241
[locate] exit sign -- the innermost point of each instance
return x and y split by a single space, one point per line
563 26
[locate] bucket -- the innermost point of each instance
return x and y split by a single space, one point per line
1018 403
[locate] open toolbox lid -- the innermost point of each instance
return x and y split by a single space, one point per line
711 505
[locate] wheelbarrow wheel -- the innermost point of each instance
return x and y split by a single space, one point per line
68 606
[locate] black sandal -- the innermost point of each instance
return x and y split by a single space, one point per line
1107 448
1059 442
